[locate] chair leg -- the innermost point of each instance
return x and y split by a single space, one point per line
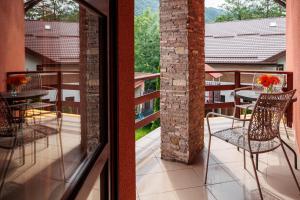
23 153
244 155
34 147
5 171
209 143
284 125
288 161
245 116
256 157
61 149
256 177
47 141
234 111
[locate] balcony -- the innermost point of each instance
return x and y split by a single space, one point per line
227 179
159 179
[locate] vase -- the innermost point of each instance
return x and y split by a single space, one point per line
14 91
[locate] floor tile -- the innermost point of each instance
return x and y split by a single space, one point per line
195 193
167 181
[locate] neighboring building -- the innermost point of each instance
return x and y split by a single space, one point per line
258 44
52 45
255 45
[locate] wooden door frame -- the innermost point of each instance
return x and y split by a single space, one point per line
117 158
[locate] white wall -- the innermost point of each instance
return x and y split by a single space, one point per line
31 62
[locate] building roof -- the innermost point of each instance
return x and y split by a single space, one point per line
56 41
210 68
248 41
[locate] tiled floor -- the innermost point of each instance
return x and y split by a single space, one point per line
227 179
44 179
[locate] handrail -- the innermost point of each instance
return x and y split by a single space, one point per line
59 80
145 98
236 83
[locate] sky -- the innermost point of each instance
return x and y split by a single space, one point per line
213 3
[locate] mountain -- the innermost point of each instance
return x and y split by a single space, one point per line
141 5
212 13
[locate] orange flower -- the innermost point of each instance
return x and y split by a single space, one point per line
274 80
17 80
264 80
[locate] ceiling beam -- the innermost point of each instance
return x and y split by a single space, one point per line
30 3
281 2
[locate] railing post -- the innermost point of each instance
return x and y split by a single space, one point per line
289 111
237 83
59 91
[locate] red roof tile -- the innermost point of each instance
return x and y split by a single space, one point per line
57 41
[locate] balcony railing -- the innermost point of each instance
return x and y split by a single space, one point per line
233 79
63 81
69 80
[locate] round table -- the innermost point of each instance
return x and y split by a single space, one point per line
31 94
251 95
248 95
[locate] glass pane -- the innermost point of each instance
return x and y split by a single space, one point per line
57 102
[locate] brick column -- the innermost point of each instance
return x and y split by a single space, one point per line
182 79
293 55
12 49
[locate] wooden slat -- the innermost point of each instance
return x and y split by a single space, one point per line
219 87
147 77
219 105
147 97
70 87
71 103
147 120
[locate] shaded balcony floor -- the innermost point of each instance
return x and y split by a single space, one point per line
158 179
44 179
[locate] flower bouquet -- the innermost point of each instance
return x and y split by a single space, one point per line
15 82
268 82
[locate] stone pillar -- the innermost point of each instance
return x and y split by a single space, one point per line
182 79
293 55
91 80
12 50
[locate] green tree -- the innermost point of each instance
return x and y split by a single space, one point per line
54 10
244 9
147 42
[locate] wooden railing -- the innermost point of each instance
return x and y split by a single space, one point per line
145 98
235 82
67 80
61 80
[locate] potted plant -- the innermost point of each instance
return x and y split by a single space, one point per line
15 82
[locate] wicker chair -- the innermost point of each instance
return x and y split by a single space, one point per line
249 106
262 134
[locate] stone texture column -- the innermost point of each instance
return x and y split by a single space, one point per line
293 55
182 79
91 80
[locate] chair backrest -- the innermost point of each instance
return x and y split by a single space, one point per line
35 82
267 114
277 88
6 119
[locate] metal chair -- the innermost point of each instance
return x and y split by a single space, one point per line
38 106
249 106
8 140
262 134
